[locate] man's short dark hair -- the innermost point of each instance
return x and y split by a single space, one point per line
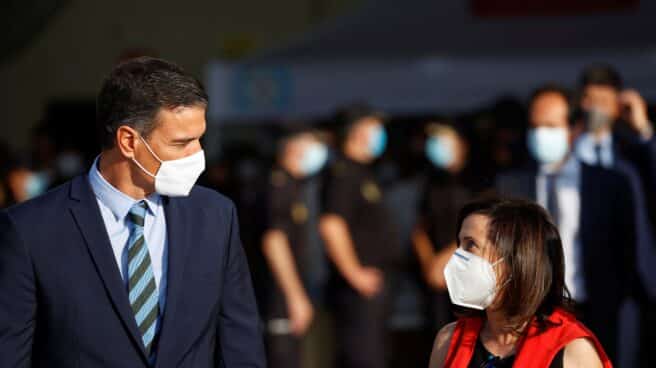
347 116
136 90
601 74
553 88
550 88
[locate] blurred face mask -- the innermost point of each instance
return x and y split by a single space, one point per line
314 159
596 120
69 164
470 280
36 185
175 178
548 145
440 151
377 141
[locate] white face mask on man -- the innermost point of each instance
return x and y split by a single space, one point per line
175 178
470 280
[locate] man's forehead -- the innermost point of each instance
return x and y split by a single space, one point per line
600 88
180 112
182 118
549 104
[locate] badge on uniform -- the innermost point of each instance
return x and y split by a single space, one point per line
370 191
299 213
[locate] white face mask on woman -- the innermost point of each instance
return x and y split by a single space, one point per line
470 280
175 178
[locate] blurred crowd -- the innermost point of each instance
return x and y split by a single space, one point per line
348 221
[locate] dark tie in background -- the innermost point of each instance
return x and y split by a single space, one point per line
552 198
597 150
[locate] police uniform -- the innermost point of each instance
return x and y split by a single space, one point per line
352 192
443 198
288 212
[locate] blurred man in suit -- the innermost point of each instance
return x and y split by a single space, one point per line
619 135
592 207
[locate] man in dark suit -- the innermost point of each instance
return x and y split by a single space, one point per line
619 135
131 265
592 207
617 125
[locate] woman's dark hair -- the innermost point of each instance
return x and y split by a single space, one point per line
524 235
136 90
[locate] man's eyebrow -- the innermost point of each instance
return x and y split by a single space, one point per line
183 140
186 139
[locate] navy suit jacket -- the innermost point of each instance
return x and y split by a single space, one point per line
63 302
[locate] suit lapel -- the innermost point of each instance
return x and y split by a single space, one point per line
87 216
531 184
178 219
587 192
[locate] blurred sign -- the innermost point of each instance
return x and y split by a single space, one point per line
267 88
400 87
503 8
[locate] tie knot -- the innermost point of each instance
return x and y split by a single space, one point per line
138 213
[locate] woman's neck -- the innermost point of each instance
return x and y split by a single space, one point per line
495 335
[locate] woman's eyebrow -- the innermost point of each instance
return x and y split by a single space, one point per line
466 238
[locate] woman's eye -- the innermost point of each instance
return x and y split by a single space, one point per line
469 245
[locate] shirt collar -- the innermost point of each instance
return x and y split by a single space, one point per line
604 141
118 202
586 151
570 168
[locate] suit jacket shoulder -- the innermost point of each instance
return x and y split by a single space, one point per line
40 211
516 183
209 198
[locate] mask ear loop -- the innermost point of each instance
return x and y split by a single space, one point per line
152 153
150 150
142 168
507 280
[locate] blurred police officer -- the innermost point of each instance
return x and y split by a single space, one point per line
286 243
361 240
444 194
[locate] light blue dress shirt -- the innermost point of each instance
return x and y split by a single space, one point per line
568 193
586 151
114 207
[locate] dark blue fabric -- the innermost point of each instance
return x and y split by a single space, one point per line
63 302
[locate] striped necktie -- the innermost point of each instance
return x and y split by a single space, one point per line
144 296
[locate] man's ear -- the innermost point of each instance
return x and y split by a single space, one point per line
126 140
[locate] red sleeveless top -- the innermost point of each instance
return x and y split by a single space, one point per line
536 349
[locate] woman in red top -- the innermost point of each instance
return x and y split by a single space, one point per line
508 276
